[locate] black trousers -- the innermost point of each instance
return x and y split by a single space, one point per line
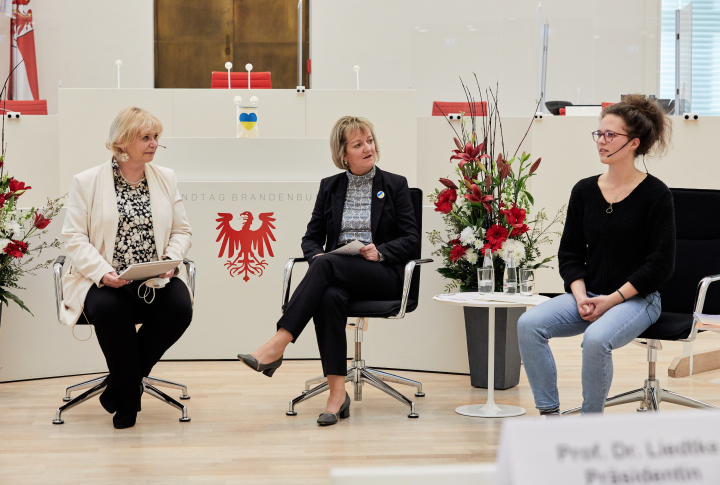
131 355
323 295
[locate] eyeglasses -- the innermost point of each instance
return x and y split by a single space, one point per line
608 135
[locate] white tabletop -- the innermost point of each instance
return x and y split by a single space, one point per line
470 299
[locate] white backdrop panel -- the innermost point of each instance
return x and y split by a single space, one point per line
245 159
232 315
86 118
211 112
392 113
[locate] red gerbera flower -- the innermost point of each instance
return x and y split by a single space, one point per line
457 253
493 247
453 242
16 249
497 234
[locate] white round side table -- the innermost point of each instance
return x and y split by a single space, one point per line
490 409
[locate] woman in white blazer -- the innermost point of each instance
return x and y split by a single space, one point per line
122 212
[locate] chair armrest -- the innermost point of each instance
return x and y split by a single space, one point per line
190 267
409 268
57 279
700 303
287 275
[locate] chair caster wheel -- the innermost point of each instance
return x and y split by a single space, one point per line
184 420
413 415
642 410
58 421
419 394
67 399
290 413
185 397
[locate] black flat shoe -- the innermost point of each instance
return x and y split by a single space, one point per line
267 369
327 419
123 420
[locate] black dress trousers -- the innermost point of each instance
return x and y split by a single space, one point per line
331 282
131 355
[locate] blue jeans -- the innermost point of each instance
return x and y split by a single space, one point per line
559 317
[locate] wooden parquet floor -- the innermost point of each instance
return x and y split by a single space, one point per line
239 432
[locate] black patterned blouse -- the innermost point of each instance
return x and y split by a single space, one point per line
135 239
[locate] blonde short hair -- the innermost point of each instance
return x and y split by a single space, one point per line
128 124
339 137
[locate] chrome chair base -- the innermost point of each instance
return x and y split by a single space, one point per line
359 375
97 384
650 396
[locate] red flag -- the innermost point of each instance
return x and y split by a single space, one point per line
24 81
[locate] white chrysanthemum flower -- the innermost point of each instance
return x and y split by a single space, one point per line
12 227
480 241
471 256
468 236
512 248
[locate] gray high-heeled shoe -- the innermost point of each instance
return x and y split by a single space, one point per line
326 419
252 362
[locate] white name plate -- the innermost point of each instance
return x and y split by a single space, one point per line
679 447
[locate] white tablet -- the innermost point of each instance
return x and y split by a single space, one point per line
151 269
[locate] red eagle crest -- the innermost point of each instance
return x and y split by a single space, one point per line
248 242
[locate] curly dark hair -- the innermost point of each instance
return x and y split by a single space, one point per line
646 120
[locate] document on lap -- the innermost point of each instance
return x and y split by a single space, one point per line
350 249
151 269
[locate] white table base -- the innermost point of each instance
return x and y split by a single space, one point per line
490 409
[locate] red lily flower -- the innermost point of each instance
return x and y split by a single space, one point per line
448 183
40 221
445 201
477 196
17 188
535 166
467 154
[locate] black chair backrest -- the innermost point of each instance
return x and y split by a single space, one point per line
697 253
416 196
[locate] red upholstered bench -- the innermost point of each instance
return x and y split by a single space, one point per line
440 107
38 107
239 80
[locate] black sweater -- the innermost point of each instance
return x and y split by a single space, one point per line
635 243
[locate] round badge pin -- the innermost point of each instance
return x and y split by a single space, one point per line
381 194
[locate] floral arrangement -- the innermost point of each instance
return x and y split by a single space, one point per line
490 205
18 227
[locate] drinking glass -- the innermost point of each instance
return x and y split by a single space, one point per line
527 281
486 281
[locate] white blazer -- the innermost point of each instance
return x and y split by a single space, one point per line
91 224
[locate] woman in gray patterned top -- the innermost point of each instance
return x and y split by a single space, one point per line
362 203
126 211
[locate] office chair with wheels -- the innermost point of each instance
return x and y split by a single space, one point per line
97 384
362 311
697 255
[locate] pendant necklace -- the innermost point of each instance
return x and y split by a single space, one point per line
609 210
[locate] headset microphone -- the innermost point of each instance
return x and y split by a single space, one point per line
613 153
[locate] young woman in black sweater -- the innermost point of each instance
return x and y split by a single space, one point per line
617 248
